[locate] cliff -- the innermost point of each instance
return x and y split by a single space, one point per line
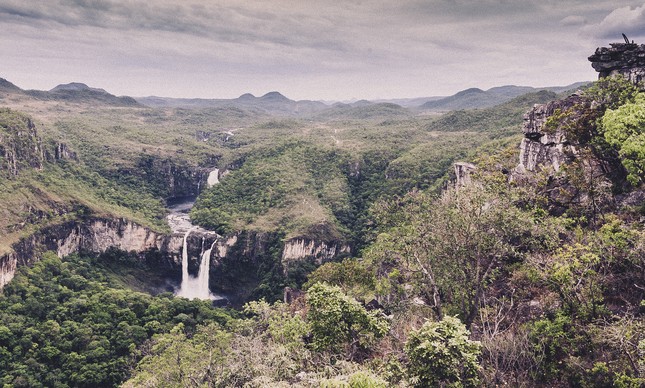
94 235
626 59
543 146
21 147
298 249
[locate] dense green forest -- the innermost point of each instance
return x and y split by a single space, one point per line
71 323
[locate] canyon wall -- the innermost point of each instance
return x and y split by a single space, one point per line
94 235
298 249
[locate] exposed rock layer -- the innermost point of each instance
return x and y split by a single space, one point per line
626 59
97 235
543 146
319 251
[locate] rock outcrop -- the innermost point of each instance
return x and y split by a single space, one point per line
96 235
463 173
626 59
21 148
319 251
543 146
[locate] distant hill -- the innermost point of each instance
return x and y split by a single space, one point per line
364 110
410 102
7 86
272 103
74 92
474 98
505 116
80 93
75 87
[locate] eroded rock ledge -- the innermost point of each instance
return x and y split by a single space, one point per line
543 146
100 234
626 59
95 235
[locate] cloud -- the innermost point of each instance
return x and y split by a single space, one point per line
574 20
359 48
628 20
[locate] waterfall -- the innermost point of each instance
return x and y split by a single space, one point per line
203 292
184 264
195 287
213 178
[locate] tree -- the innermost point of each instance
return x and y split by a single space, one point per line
440 354
452 247
339 322
624 128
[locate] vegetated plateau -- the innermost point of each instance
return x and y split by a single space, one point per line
356 246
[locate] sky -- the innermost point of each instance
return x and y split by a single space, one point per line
308 49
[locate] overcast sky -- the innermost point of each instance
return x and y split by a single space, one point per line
307 49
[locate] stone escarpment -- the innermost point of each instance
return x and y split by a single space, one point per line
95 235
543 146
167 177
21 148
561 134
548 146
319 251
626 59
242 263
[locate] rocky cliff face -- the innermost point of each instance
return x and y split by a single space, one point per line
320 251
21 147
463 173
97 235
626 59
544 147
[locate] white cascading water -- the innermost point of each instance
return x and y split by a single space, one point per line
213 178
193 287
203 292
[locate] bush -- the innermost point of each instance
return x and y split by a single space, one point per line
440 353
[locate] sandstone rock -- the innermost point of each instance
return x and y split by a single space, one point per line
303 248
546 147
463 172
626 59
96 235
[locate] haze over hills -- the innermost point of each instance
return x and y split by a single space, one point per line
476 98
276 104
272 102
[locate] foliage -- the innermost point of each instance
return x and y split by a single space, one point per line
175 360
339 323
624 129
452 247
353 276
574 275
440 354
504 117
276 178
63 325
